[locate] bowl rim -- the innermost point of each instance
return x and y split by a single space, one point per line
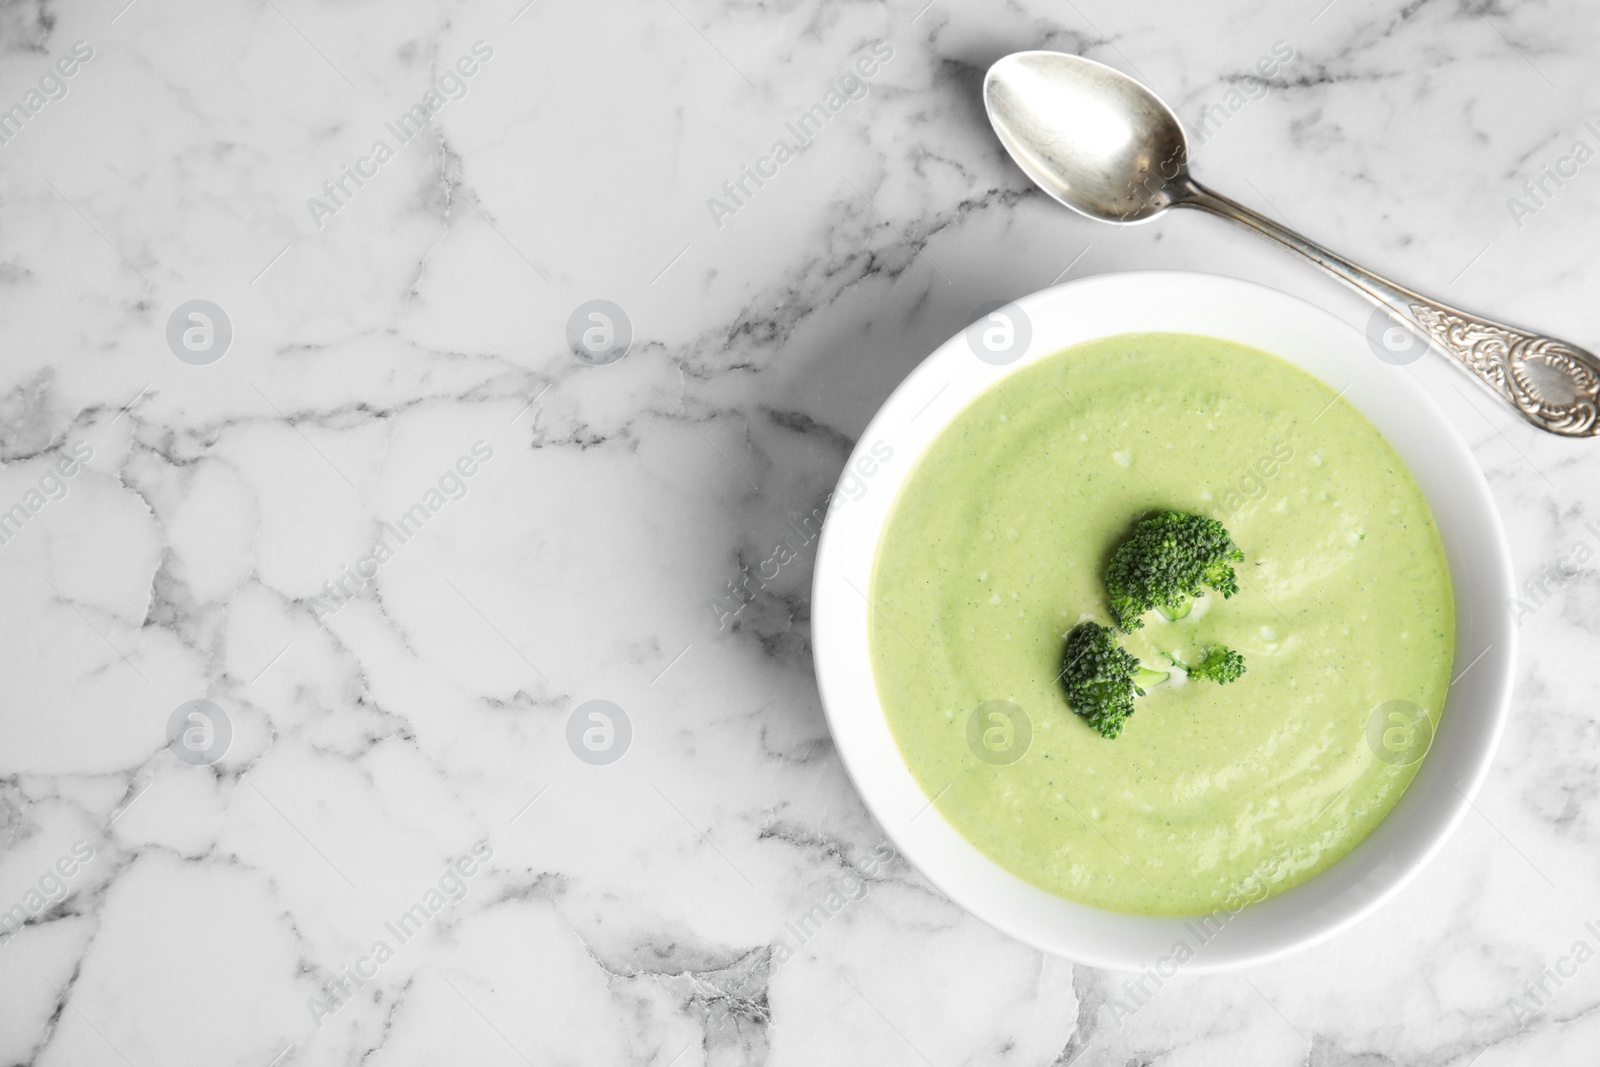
943 385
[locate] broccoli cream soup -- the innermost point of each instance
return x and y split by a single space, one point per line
1213 794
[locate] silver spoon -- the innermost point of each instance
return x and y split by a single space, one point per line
1107 147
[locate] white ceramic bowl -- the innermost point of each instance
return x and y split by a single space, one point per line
1480 568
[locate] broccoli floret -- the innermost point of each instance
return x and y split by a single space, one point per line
1219 664
1163 564
1101 678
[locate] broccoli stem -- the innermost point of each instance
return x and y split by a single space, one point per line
1146 679
1174 614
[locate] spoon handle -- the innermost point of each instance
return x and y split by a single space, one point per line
1555 385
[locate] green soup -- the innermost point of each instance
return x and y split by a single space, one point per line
1213 795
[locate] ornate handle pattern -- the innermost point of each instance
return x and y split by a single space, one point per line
1514 364
1554 385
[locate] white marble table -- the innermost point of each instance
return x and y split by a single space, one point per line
398 320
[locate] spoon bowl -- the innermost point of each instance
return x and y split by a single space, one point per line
1090 136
